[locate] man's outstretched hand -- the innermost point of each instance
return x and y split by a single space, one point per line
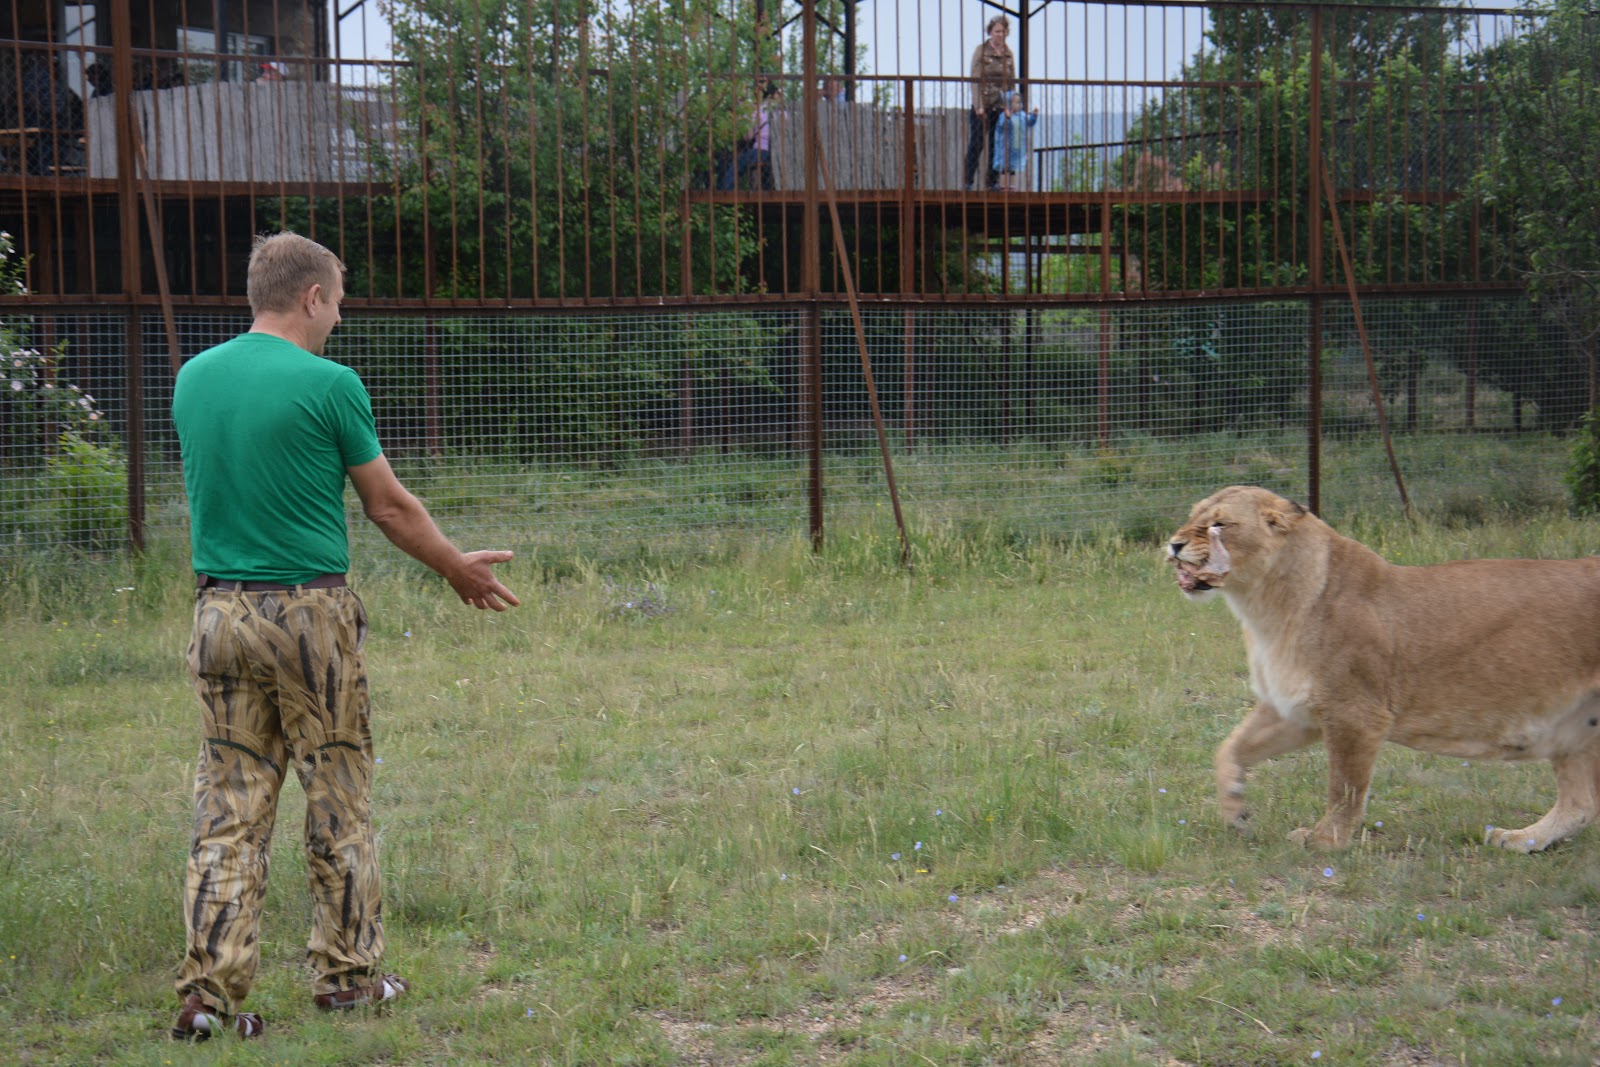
475 583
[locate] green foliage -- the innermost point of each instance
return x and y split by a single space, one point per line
1583 473
1538 185
580 390
1393 92
87 482
65 479
35 404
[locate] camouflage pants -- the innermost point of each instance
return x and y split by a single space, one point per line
281 678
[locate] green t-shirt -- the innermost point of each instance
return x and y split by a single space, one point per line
267 430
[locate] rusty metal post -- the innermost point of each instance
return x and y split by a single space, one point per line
1314 432
1314 260
811 270
908 262
132 282
136 434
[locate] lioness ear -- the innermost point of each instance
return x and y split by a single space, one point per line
1283 520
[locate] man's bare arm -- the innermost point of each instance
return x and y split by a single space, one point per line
406 523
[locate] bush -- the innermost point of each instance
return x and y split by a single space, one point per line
87 484
1583 473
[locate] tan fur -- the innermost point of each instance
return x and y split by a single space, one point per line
1481 659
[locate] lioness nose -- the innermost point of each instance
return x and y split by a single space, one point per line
1174 547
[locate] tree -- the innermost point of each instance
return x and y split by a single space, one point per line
1395 109
545 145
1540 176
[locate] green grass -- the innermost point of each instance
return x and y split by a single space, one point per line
669 812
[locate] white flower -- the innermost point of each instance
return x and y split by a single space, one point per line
83 403
16 386
89 398
94 416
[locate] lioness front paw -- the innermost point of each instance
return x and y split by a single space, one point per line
1515 840
1315 838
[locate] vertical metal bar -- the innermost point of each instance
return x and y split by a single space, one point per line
1314 156
1314 430
811 269
128 204
908 260
1314 261
136 434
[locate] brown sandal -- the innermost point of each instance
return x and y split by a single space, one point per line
198 1022
388 987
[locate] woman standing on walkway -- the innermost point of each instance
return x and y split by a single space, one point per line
994 72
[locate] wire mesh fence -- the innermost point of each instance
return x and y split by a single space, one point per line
574 434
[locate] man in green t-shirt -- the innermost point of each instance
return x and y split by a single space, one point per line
269 432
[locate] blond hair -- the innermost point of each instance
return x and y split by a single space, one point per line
283 266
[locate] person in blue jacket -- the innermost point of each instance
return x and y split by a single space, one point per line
1011 139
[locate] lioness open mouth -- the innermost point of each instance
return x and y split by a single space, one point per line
1189 579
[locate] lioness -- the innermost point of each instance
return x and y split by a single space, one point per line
1485 659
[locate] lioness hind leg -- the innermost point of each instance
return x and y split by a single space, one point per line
1577 805
1263 734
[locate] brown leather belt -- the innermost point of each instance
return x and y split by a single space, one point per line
228 585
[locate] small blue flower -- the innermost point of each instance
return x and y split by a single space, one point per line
938 811
1317 1055
917 847
1378 823
1327 872
530 1013
1183 822
408 634
796 790
1421 917
783 877
378 760
954 898
902 957
894 855
1556 1003
1466 763
1160 790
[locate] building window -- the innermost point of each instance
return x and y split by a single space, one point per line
202 65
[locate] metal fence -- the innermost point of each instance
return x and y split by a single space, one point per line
563 434
593 316
593 154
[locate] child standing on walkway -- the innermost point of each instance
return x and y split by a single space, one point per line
1011 139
